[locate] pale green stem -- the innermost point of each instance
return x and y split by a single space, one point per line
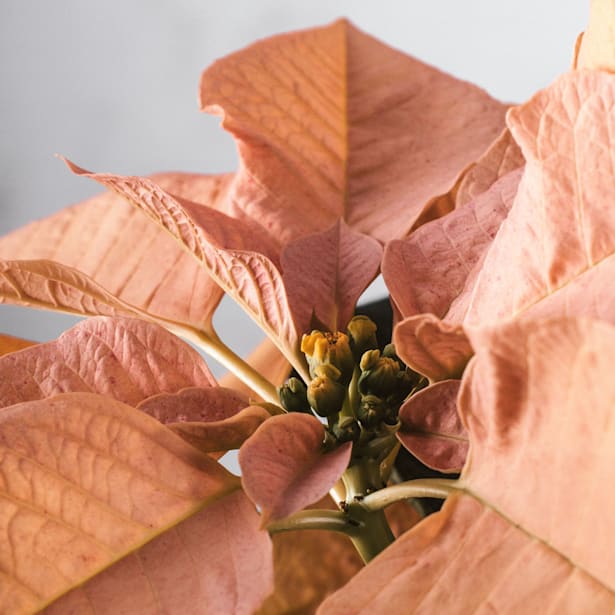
337 493
375 534
332 520
217 349
419 488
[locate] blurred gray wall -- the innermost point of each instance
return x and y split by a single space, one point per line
112 85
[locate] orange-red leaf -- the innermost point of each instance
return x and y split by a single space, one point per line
53 286
431 428
216 561
9 343
284 467
537 401
123 358
331 123
87 480
554 253
122 251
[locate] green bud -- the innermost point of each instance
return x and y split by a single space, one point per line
293 396
371 410
329 349
407 380
389 351
346 430
325 394
362 334
380 379
369 359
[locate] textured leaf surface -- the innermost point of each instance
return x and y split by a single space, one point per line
85 481
53 286
240 256
284 467
553 255
502 157
433 347
225 435
216 561
332 124
555 252
123 358
431 428
121 250
209 404
9 343
430 269
326 273
538 395
213 419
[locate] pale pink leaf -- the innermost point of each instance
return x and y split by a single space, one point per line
430 269
538 395
127 359
240 256
326 273
218 437
216 561
596 47
431 428
502 157
194 404
284 466
121 250
331 123
87 480
555 253
53 286
435 348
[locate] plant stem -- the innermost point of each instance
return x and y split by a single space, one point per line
217 349
419 488
375 534
332 520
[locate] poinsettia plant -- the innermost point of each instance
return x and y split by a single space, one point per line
493 228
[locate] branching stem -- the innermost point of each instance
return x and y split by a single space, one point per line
419 488
210 343
333 520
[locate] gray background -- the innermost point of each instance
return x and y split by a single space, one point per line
112 85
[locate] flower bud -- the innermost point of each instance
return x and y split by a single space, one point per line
329 349
346 430
369 360
380 378
293 396
371 410
389 351
325 393
362 333
407 380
